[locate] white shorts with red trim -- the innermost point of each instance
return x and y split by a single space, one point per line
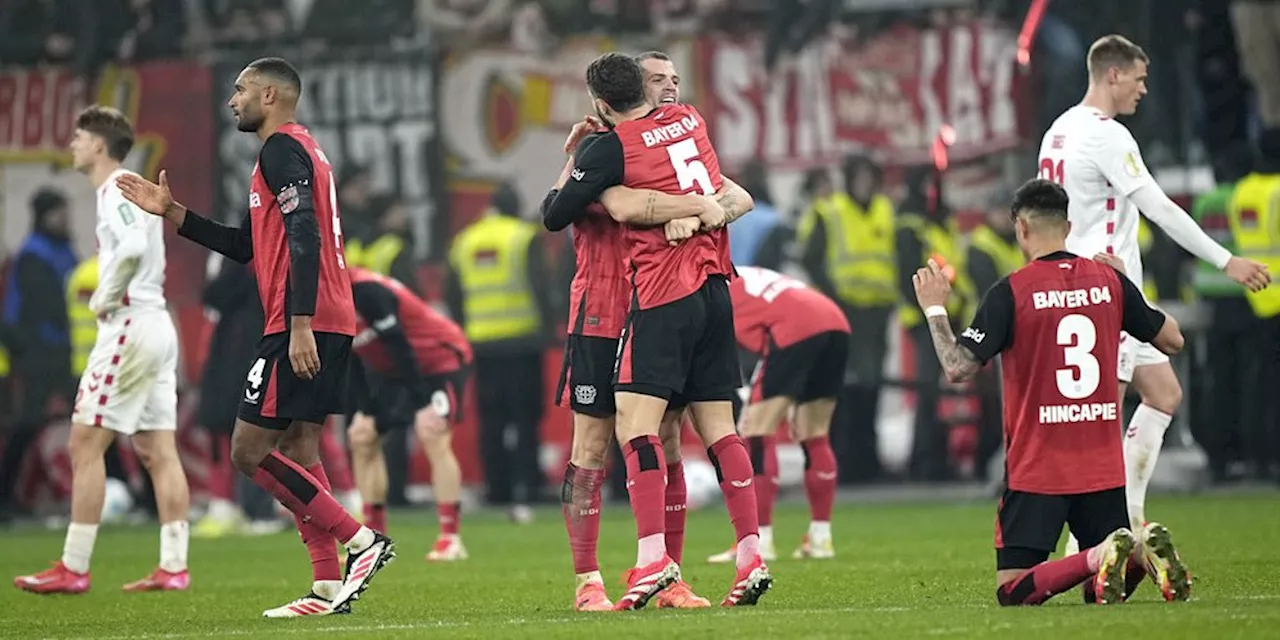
130 382
1134 354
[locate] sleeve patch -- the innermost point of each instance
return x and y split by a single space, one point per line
126 213
288 199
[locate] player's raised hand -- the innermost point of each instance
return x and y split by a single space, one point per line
681 229
932 286
1111 260
1253 275
149 196
588 125
303 354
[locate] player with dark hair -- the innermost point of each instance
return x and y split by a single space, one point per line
294 238
678 340
1056 323
599 299
409 357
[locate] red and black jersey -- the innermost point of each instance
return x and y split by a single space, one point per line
668 150
401 337
1056 324
293 238
773 311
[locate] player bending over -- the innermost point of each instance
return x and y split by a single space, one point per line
599 299
802 340
1056 323
299 376
678 339
129 385
1097 161
409 356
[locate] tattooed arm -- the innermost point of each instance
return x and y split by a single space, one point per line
735 200
645 207
958 362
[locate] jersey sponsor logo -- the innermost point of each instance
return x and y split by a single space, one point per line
364 337
577 174
1083 412
585 393
255 200
973 334
1073 299
666 133
288 199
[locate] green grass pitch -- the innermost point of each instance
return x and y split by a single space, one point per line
902 571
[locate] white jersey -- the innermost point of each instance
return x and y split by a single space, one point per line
125 231
1098 162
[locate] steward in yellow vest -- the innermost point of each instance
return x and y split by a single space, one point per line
498 284
993 252
919 238
84 324
390 253
1254 216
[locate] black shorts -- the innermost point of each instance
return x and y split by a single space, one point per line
274 397
395 408
1028 525
808 370
684 348
586 377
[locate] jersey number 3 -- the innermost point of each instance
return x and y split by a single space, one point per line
1077 335
1053 171
689 169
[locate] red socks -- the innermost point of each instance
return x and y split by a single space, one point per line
819 477
733 470
301 493
646 482
334 457
764 462
677 499
580 504
375 517
1045 580
449 517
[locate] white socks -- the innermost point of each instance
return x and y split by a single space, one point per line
651 549
766 536
327 589
1142 444
587 578
173 546
78 548
748 549
819 531
361 540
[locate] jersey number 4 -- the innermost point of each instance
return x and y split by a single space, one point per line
333 208
1078 336
1053 171
689 169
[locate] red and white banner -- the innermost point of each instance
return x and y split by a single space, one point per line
889 95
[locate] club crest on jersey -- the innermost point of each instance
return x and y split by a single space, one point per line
288 199
585 394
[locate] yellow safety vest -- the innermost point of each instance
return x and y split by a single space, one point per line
860 252
1146 239
935 238
84 323
1006 255
490 258
1255 223
4 362
353 251
382 253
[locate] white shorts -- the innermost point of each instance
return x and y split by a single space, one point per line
130 383
1134 354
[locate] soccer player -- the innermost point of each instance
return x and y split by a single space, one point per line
599 299
678 339
1097 161
802 340
1056 322
294 238
129 385
407 352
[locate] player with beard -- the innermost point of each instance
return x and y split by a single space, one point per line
1056 324
294 238
599 298
678 340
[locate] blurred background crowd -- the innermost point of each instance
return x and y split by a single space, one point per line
871 133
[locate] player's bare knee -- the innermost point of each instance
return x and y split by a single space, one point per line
1166 399
671 448
591 438
300 447
362 436
86 444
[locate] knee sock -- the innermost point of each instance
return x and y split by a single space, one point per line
375 517
646 482
311 504
819 484
733 470
580 504
1045 580
677 503
1142 444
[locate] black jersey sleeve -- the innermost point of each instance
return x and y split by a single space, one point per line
599 166
233 242
289 173
991 331
1140 320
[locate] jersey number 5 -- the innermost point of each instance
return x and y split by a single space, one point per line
1077 335
1053 171
689 169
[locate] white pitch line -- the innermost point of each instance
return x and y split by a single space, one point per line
274 628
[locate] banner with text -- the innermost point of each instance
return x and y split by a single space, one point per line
377 110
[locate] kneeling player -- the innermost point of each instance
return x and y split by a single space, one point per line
1056 322
802 340
409 353
129 384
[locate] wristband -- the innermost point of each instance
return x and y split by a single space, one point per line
935 311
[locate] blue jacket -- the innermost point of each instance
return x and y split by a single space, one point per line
746 235
35 301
